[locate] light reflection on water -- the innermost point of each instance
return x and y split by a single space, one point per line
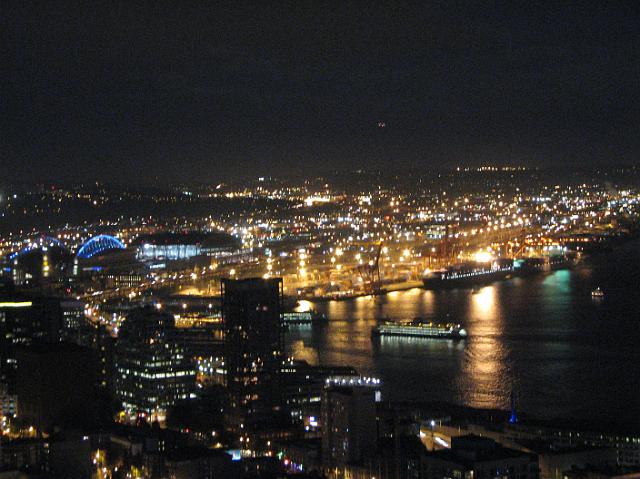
543 336
485 357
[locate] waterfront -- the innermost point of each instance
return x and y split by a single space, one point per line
564 353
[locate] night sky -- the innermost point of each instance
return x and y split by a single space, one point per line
198 93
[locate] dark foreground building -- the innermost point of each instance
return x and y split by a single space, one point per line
25 320
478 457
349 428
251 313
56 385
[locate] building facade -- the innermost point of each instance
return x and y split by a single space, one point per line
349 428
55 385
25 320
152 370
252 319
478 457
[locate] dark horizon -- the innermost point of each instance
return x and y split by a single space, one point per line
127 93
624 174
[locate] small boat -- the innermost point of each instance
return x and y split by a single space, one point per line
597 293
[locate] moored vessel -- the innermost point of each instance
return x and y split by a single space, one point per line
468 274
535 265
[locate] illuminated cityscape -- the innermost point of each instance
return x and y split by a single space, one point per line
144 298
326 241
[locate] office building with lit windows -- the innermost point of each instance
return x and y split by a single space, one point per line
152 371
73 319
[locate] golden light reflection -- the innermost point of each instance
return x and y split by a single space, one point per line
414 292
300 351
484 375
485 365
428 296
483 303
304 306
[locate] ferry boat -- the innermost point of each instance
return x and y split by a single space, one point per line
597 293
421 329
468 274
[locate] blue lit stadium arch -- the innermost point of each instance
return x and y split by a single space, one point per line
99 244
39 243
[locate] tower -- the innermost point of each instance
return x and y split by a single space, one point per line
251 314
152 370
349 431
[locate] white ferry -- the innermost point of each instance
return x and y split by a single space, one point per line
419 328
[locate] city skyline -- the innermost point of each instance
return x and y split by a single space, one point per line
319 240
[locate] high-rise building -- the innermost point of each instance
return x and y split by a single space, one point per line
152 370
73 319
349 432
25 320
302 386
8 402
55 385
251 313
99 338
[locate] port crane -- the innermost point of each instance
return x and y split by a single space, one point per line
370 272
520 245
447 249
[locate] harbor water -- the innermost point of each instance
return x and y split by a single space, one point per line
563 353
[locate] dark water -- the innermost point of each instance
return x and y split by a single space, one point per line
564 353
